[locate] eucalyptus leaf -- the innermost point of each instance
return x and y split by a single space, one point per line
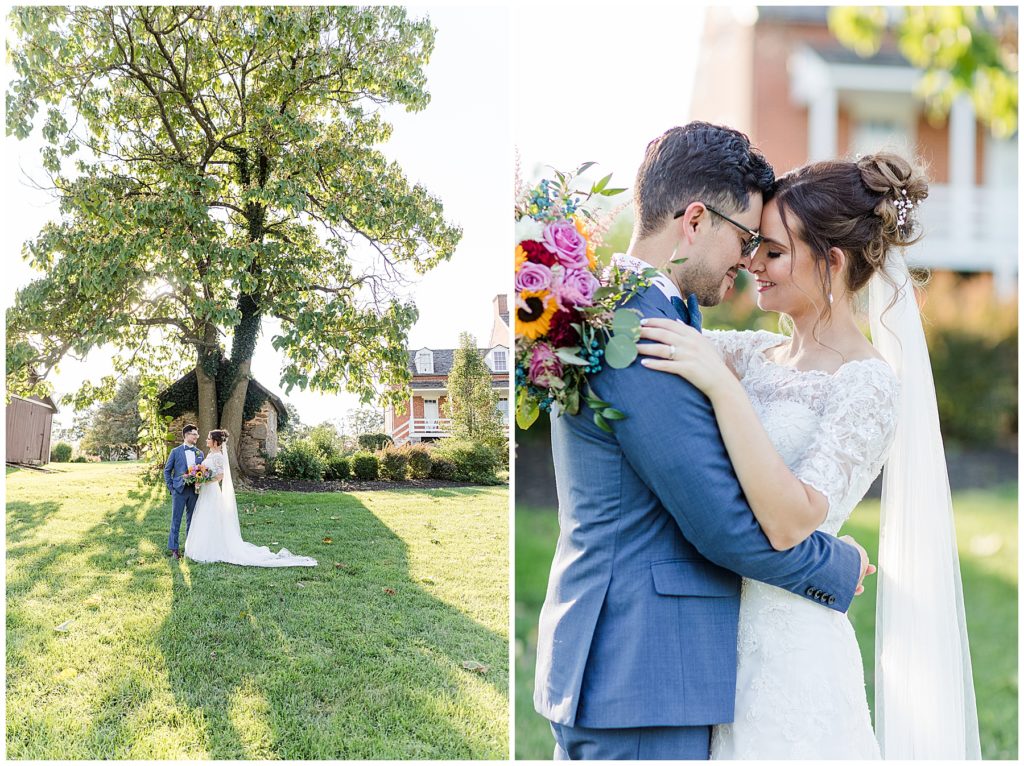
569 354
527 413
620 352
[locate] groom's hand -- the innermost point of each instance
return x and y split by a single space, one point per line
866 567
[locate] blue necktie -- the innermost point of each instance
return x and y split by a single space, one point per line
689 312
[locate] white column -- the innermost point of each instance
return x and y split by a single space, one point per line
962 194
823 124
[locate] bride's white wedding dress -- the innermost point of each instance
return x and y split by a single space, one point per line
215 534
800 690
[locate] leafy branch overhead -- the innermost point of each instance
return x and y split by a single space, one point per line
216 166
961 49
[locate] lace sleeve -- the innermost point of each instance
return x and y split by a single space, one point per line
736 346
854 436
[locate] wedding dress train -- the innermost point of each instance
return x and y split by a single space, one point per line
215 534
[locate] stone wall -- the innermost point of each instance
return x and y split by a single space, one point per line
259 438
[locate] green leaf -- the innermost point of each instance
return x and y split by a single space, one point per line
527 410
599 186
610 413
568 354
611 192
601 423
620 352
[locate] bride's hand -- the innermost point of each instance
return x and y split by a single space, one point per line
683 351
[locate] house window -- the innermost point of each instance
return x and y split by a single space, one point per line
425 362
503 409
500 360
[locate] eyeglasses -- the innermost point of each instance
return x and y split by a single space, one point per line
750 246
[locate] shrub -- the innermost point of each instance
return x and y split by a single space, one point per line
61 453
338 468
418 458
79 459
393 464
365 466
300 460
374 442
473 461
326 441
442 468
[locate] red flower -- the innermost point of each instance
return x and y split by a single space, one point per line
561 332
537 253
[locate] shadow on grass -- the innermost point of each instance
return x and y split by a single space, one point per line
335 662
340 667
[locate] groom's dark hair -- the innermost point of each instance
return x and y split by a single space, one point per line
187 429
698 162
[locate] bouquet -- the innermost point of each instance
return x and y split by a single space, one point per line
198 475
567 320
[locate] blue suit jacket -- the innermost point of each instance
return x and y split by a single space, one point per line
639 624
176 467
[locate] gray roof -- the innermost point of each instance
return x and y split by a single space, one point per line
444 358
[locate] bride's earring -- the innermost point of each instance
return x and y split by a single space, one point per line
830 299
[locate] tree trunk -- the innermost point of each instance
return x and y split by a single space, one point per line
206 380
231 418
242 347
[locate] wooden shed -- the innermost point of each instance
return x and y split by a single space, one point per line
28 429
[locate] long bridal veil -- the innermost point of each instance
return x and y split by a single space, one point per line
924 691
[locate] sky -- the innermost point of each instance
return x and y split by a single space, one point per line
459 147
596 85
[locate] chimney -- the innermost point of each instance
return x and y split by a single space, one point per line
500 330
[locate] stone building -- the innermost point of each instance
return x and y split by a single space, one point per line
264 413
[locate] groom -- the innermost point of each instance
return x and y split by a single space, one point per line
636 652
183 496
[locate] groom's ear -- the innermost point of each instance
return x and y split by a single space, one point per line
689 220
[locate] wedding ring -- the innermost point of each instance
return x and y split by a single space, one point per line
672 353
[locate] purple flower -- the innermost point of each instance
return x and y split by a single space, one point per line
576 287
533 276
545 366
568 245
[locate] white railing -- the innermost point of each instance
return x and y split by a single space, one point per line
970 228
435 427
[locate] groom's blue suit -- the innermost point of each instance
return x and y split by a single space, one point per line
183 496
638 630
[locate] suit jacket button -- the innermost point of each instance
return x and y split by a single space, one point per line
817 594
831 600
810 591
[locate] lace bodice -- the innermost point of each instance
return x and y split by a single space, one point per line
833 430
215 462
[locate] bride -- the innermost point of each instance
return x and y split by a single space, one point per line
215 534
808 421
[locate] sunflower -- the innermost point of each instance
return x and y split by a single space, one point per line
534 309
520 257
591 250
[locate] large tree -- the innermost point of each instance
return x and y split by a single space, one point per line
224 168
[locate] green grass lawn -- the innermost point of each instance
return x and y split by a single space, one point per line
986 524
116 651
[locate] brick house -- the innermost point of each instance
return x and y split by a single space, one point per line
801 96
259 431
422 419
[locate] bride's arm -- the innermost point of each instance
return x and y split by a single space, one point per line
788 510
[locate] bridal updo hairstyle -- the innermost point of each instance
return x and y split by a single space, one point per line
218 436
865 207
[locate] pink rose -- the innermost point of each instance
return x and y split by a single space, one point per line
576 288
533 276
568 245
545 365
